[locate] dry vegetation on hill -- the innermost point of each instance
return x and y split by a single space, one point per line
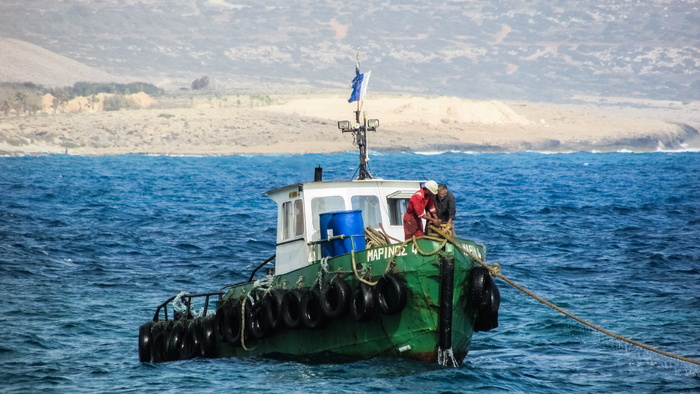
84 118
202 125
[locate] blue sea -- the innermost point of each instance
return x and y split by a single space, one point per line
89 246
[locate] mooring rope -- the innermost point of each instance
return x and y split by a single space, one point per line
243 302
495 271
357 274
439 248
374 237
443 242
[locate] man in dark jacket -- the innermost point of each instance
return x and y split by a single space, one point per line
445 206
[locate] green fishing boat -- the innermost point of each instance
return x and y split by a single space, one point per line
345 284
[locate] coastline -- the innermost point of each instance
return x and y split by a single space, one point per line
308 124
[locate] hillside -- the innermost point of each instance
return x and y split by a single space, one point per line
534 50
23 62
307 124
463 75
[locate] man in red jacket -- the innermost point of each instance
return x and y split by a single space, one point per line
420 206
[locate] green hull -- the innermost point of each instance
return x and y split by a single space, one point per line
413 333
431 294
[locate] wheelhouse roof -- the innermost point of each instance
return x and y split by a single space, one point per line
342 184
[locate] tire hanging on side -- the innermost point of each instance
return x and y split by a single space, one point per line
310 307
478 287
362 303
145 342
255 320
335 298
160 332
272 303
209 341
487 315
391 294
219 324
291 311
231 329
191 341
175 341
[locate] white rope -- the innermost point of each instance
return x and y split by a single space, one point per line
264 282
445 356
179 305
324 264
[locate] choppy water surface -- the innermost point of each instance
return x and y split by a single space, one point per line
90 245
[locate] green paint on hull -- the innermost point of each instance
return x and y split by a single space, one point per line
411 334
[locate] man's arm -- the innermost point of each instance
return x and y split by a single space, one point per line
451 208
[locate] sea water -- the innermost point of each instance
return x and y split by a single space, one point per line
89 246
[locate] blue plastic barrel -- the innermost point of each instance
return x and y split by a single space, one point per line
325 223
348 223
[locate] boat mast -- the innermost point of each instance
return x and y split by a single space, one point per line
359 132
359 129
361 140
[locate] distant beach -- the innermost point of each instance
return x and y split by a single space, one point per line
307 124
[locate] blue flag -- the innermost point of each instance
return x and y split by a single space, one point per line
359 86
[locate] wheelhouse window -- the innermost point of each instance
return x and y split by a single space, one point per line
298 218
321 205
398 204
369 205
397 208
292 219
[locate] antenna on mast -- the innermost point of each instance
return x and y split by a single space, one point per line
359 131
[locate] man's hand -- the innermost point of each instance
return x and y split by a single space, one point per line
432 220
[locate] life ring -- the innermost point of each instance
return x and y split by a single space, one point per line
208 344
362 303
255 319
291 311
311 313
175 341
487 315
191 341
334 298
232 324
478 287
272 304
391 294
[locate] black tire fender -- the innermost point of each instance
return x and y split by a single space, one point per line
272 304
311 313
487 315
160 332
232 324
145 342
335 298
478 287
219 324
175 341
291 311
209 340
392 294
362 303
255 320
191 341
